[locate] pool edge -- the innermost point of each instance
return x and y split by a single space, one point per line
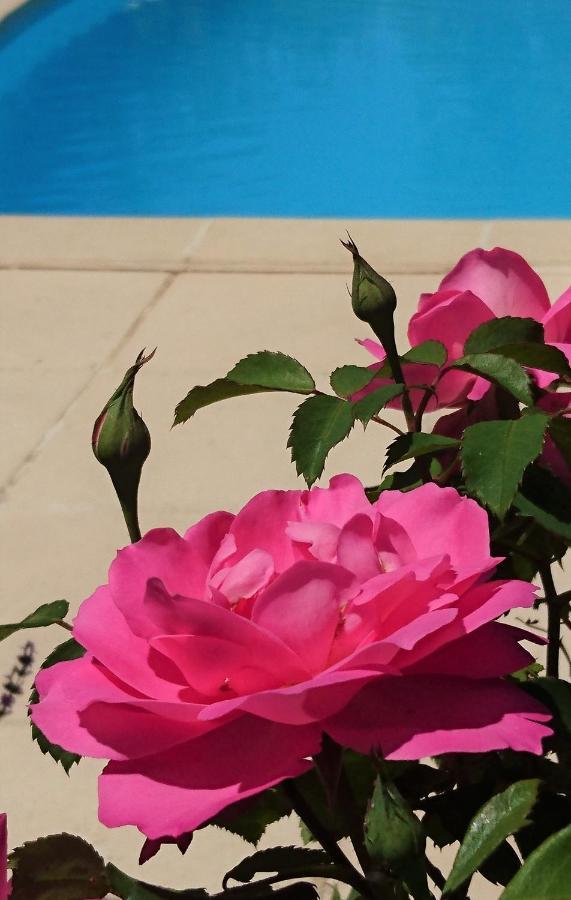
276 245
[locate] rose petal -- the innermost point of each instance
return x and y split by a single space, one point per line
503 280
174 792
427 715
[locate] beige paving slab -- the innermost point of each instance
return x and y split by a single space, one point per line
304 245
98 243
59 523
207 322
542 242
56 330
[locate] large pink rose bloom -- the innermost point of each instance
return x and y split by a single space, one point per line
4 886
215 661
483 285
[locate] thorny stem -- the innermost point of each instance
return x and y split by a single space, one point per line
323 837
422 408
553 621
63 624
354 823
398 376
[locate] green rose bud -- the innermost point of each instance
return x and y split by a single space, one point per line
372 297
374 301
121 442
393 834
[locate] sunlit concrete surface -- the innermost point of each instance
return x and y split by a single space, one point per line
78 300
9 6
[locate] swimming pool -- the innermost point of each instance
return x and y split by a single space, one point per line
381 108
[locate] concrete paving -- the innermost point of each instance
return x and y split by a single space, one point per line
78 300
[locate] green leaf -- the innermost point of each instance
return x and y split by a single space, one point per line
546 874
272 370
560 433
500 369
58 867
318 425
347 380
250 818
367 407
546 499
130 889
400 481
431 353
205 395
537 356
255 374
276 859
501 332
63 653
495 456
500 817
45 615
409 446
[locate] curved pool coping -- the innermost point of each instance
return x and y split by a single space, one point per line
7 7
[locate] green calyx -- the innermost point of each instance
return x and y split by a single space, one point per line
121 442
372 296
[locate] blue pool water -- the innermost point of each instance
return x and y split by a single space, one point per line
415 108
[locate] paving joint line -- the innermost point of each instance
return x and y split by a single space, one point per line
21 467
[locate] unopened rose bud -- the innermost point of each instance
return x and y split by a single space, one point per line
121 442
393 834
374 301
372 297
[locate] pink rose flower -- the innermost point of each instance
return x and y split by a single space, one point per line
483 285
5 889
215 661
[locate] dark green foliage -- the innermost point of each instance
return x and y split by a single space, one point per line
59 867
495 456
318 425
47 614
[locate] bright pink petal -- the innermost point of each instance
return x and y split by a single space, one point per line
174 792
216 667
489 652
356 551
478 606
503 280
246 577
337 504
449 318
321 538
226 641
261 525
557 320
182 564
439 521
85 711
302 607
101 628
426 715
299 704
